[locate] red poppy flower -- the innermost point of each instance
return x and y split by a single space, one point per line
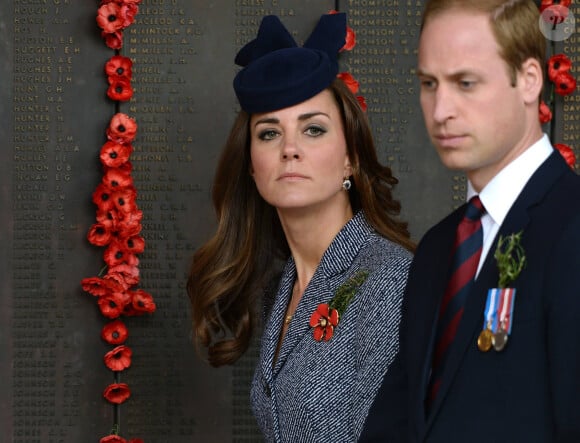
558 63
113 40
119 358
119 66
126 167
116 178
545 114
567 153
130 223
362 102
107 218
120 89
135 244
127 13
109 18
99 235
102 197
114 154
125 199
324 320
349 81
122 128
112 305
112 439
124 275
115 332
141 303
350 39
116 255
100 287
117 393
565 83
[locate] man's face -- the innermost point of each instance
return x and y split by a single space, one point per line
475 117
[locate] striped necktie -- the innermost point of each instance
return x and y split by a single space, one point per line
466 254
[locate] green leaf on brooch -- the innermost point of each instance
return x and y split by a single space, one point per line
510 258
347 290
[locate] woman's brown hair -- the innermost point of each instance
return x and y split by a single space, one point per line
229 272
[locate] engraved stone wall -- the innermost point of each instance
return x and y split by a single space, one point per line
54 113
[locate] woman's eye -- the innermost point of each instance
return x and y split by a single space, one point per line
267 134
315 131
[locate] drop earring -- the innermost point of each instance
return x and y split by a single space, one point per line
346 184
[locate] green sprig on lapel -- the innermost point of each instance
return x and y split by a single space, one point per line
347 290
510 258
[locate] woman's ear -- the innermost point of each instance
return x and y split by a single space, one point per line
347 168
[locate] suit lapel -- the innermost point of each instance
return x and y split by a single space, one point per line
425 285
516 220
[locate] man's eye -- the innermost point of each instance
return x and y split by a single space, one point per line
427 84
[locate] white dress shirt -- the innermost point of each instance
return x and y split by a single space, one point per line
501 192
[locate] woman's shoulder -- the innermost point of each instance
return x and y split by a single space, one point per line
384 252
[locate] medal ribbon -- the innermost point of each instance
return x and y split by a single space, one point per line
490 315
507 305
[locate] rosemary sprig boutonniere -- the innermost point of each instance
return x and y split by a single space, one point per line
510 258
327 315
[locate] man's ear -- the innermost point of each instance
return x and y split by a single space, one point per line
531 80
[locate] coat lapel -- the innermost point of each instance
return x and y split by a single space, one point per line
439 272
299 328
273 325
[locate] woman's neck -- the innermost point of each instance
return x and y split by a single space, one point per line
309 234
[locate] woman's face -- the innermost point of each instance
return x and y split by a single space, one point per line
298 154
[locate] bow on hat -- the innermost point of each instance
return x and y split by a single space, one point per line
278 73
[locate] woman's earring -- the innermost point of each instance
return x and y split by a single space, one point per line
346 184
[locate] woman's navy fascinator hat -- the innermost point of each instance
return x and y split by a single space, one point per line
277 73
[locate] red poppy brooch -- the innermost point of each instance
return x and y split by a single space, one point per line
327 315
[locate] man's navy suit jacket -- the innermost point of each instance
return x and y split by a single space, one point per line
530 391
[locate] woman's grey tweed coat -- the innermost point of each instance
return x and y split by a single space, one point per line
322 391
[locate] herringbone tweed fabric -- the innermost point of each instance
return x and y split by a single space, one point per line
322 391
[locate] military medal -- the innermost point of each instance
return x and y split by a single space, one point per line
499 340
484 340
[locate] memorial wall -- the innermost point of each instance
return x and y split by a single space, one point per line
55 110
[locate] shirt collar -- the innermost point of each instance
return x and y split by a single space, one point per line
502 191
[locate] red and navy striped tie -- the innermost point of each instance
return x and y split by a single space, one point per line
466 253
